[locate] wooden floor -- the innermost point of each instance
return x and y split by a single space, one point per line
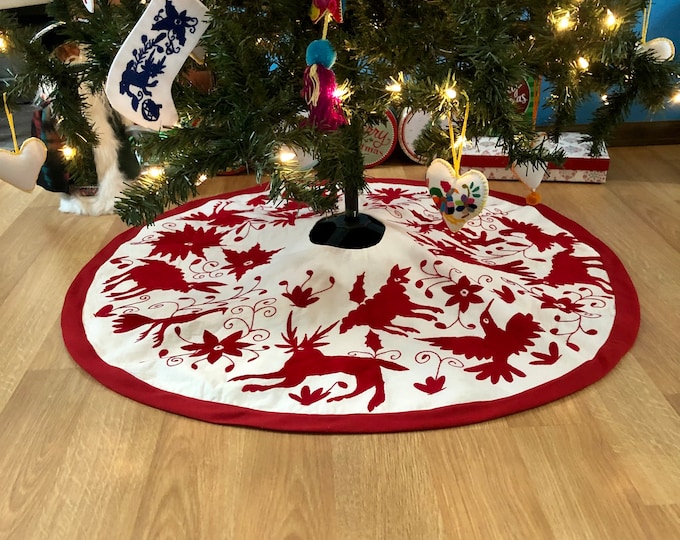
78 461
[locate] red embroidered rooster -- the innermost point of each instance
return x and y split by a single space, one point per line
498 344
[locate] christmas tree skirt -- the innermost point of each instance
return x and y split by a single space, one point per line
226 312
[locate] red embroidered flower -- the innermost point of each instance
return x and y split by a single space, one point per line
220 218
387 195
242 261
432 385
307 397
213 348
180 244
564 304
463 293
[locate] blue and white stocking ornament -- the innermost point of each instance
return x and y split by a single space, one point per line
140 78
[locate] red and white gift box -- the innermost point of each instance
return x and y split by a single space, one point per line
486 156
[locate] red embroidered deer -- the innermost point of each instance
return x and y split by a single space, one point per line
571 269
306 360
391 301
154 275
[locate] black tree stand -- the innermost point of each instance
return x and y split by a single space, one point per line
352 229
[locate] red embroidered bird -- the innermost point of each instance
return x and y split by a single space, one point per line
498 344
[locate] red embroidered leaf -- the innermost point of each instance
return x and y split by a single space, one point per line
105 311
547 359
373 341
505 294
358 293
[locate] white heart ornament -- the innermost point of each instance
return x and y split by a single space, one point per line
458 198
22 169
662 48
89 5
529 174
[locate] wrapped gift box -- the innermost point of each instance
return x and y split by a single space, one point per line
484 155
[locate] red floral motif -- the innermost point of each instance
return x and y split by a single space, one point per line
304 297
307 397
432 385
242 261
548 359
213 348
505 294
222 217
463 293
179 244
564 304
388 195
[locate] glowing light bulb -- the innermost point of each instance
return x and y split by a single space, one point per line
676 98
450 93
3 44
155 172
68 152
582 63
610 20
604 98
201 179
394 87
286 155
341 92
564 22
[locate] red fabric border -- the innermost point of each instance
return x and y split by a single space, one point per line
623 335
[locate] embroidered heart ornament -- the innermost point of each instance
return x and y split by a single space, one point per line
458 199
22 169
662 49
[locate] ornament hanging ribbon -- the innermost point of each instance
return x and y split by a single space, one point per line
662 49
141 75
458 197
21 168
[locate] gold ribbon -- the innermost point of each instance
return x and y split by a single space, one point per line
457 149
10 121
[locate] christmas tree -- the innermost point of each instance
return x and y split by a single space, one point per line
455 59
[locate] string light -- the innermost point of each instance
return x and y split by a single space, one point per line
564 22
3 44
68 152
676 98
286 155
342 91
201 179
155 172
394 87
610 21
582 63
450 93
